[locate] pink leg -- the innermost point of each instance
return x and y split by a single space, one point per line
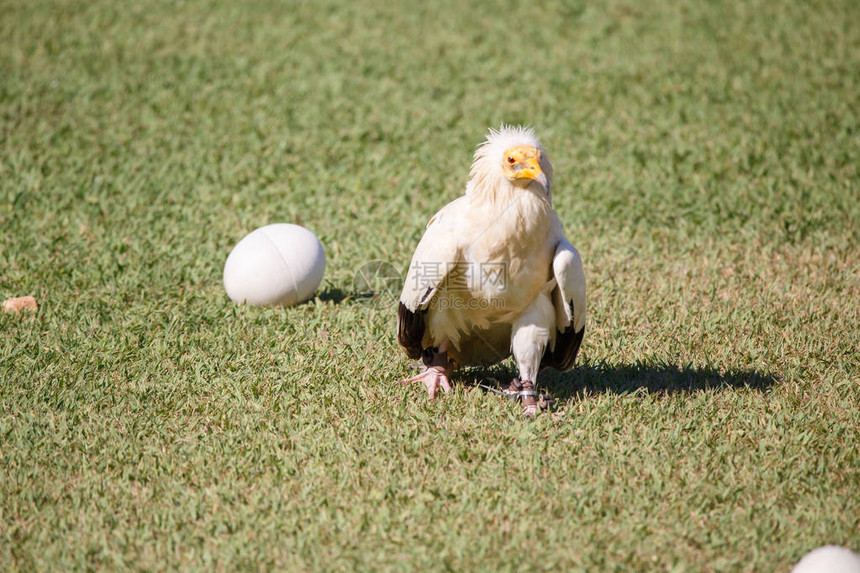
433 378
435 370
524 389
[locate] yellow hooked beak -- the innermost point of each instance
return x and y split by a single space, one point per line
522 165
529 168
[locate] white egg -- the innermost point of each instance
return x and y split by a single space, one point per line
280 264
829 559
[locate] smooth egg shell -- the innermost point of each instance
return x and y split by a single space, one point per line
280 264
829 559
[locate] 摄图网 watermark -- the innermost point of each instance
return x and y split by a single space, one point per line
460 276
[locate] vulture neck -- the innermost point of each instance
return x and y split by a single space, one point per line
499 192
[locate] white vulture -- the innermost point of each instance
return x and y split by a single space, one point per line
494 275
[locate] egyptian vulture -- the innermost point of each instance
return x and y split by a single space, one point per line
494 275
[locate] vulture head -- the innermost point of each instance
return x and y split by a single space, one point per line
511 157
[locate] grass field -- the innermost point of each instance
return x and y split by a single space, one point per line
706 160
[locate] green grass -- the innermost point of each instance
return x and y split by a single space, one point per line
706 161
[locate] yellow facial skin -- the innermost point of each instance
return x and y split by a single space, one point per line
521 165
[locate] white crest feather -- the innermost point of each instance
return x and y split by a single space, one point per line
486 174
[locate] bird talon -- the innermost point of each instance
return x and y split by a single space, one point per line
433 378
530 407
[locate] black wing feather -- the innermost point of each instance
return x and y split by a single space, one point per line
567 345
410 330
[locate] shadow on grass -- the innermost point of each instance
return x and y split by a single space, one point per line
653 378
639 376
331 293
337 295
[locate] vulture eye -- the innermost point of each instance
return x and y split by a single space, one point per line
511 160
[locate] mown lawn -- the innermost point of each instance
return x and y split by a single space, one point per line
706 161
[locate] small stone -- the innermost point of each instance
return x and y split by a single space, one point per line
20 303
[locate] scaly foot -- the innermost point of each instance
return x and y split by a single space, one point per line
525 391
433 378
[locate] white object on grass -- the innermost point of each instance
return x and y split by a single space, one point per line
280 264
829 559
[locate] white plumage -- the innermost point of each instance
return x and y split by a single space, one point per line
494 275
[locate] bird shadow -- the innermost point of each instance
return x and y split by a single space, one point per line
332 293
648 376
340 296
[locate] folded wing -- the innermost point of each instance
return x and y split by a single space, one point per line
435 255
569 301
